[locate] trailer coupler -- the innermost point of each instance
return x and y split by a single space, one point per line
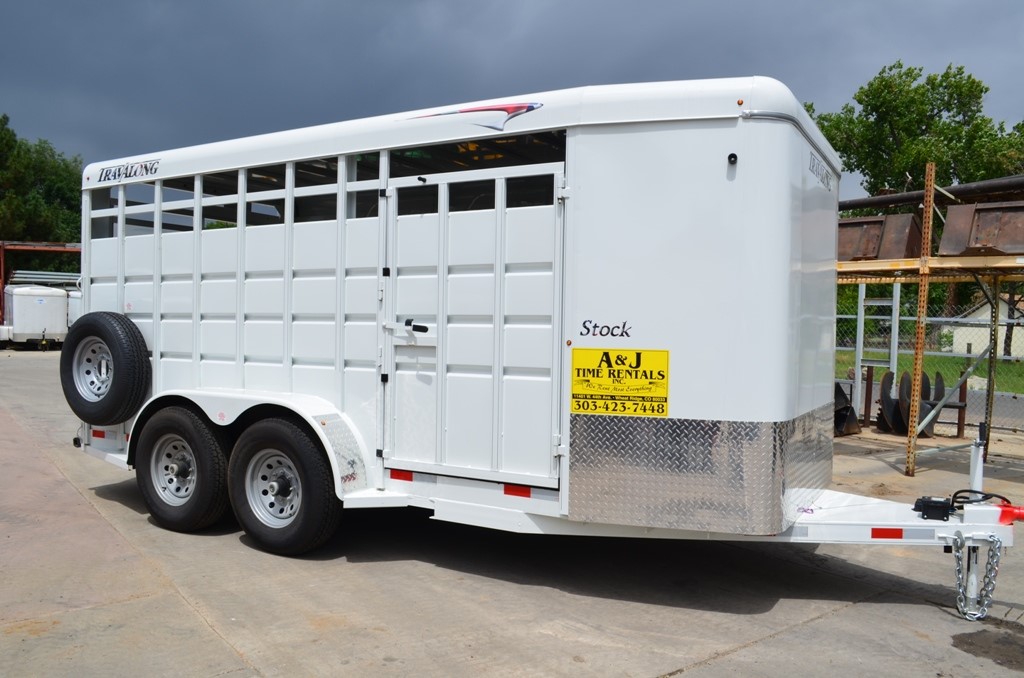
1010 514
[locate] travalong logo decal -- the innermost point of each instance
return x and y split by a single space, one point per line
502 113
131 170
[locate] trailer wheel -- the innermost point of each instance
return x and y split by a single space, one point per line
181 470
281 488
104 368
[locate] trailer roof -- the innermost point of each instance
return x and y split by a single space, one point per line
606 104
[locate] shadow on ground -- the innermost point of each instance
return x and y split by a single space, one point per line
730 577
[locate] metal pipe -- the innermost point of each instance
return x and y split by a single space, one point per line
1005 187
993 340
930 450
978 460
869 384
894 327
858 357
955 390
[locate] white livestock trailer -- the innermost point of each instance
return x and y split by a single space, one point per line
518 313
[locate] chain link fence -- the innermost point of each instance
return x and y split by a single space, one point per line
957 333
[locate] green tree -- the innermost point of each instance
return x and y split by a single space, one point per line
40 197
902 122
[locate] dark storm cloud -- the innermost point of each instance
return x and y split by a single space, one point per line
123 77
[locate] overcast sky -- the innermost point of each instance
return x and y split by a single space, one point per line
123 77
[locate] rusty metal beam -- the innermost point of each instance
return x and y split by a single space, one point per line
69 247
995 264
922 314
1005 188
848 279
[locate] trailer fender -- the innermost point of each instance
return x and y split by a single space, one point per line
346 450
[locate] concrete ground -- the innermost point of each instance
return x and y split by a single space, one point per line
89 586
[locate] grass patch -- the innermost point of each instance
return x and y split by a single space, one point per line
1009 373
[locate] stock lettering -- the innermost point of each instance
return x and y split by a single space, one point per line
592 328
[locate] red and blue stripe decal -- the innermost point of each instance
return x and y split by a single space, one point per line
510 111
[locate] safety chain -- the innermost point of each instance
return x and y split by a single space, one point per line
988 585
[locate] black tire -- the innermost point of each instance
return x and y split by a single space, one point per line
104 368
182 470
282 488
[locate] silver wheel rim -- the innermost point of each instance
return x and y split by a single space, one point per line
93 369
173 470
273 489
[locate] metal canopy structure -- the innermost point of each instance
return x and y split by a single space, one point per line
988 270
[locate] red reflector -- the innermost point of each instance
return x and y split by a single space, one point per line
517 490
887 533
97 433
401 475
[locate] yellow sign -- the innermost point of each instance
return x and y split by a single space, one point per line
627 383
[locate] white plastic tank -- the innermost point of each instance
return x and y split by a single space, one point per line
74 306
35 312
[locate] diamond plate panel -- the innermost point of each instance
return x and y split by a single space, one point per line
807 459
721 476
346 451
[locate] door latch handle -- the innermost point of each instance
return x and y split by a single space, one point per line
414 327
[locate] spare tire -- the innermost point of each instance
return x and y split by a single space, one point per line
104 368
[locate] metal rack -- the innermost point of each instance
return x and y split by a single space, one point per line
989 271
